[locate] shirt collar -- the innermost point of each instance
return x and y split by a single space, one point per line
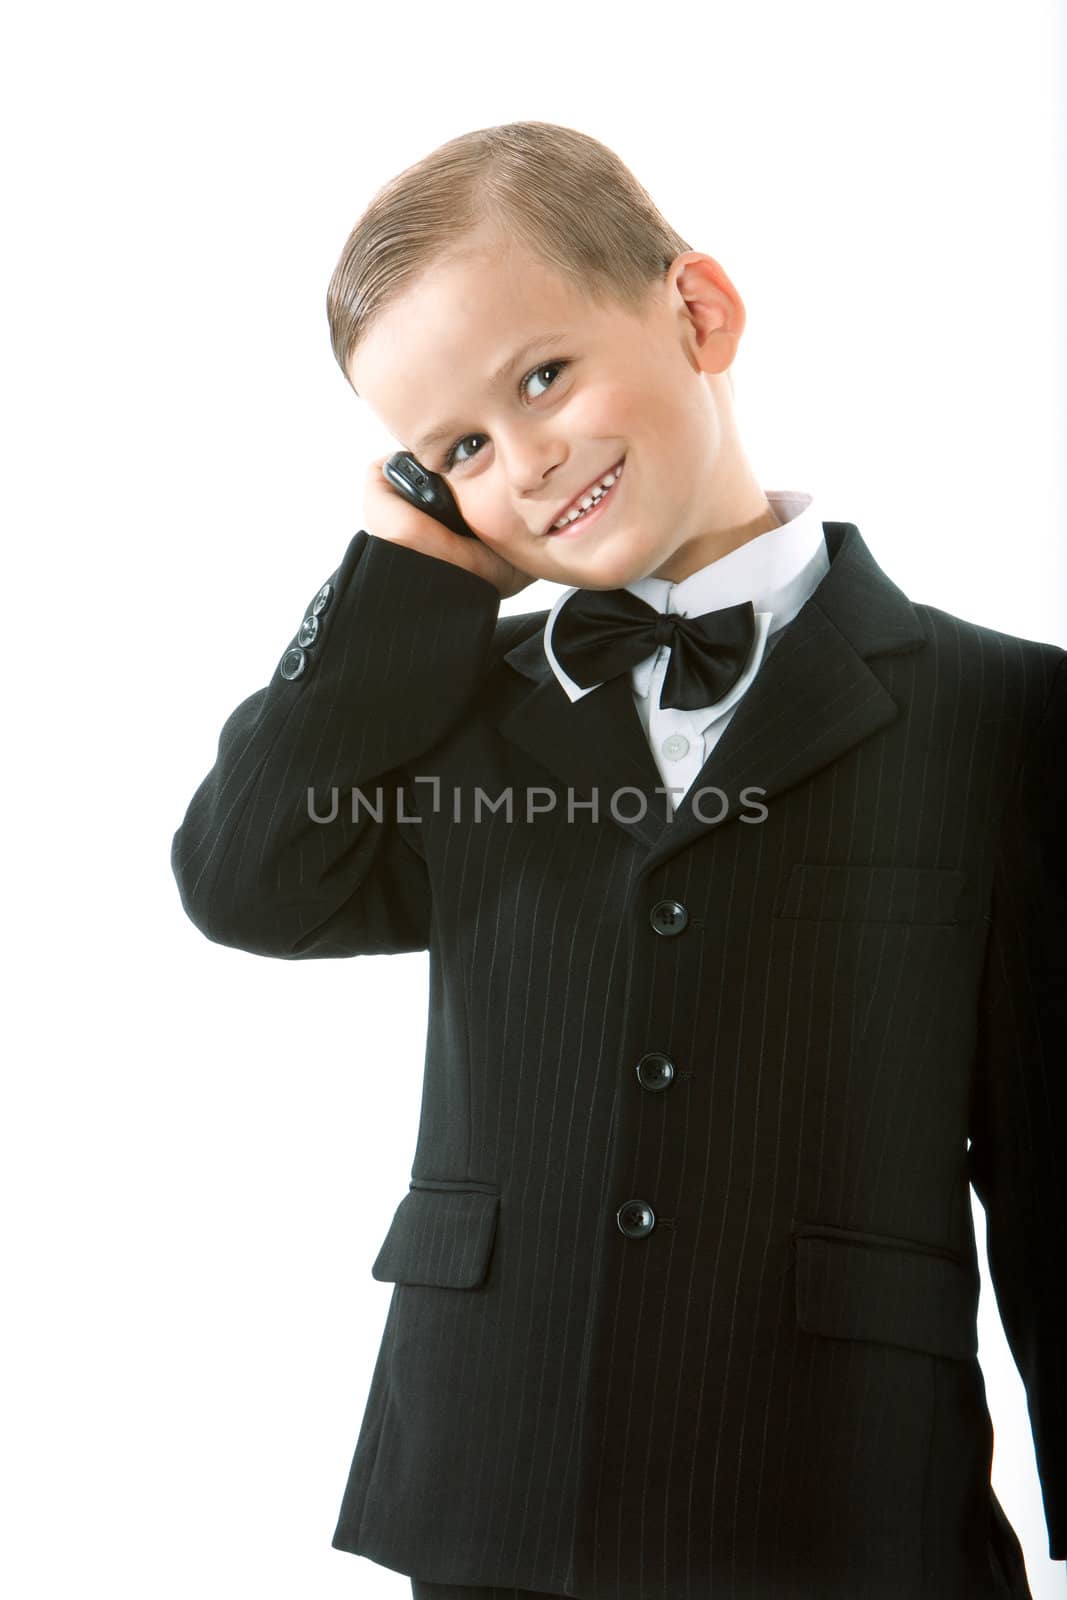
777 571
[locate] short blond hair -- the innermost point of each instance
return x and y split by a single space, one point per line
560 193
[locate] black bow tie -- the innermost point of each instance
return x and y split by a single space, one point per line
599 633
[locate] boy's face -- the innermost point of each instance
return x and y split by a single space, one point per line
649 391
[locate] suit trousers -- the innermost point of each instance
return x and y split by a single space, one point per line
472 1591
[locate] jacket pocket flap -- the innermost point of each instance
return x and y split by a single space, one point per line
891 1293
442 1237
850 892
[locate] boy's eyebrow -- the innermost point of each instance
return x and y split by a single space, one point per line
447 429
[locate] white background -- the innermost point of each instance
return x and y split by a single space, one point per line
202 1149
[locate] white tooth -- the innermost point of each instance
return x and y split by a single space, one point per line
593 498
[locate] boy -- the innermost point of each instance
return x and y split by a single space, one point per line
744 888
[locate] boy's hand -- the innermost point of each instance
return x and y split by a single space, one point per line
388 515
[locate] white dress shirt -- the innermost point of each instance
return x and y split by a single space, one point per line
777 571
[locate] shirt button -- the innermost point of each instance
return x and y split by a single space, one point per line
675 746
309 629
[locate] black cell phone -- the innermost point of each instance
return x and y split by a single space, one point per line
426 490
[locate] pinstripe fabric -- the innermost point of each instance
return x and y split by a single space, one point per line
773 1389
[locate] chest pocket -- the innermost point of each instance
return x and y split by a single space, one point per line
851 892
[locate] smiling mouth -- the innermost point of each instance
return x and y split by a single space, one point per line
588 500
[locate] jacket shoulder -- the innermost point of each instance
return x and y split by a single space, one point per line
1007 667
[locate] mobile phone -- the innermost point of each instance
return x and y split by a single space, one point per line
426 490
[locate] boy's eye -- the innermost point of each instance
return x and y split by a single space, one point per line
450 456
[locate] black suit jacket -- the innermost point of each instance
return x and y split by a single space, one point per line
685 1276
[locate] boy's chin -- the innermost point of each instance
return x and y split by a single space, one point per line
603 568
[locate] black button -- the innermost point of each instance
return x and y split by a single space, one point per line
635 1218
309 629
655 1071
322 599
668 917
293 663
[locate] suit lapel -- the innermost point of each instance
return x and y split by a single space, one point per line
596 744
813 698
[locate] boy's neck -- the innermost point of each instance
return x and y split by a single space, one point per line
691 557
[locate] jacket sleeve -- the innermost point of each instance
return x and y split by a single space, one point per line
269 857
1018 1156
